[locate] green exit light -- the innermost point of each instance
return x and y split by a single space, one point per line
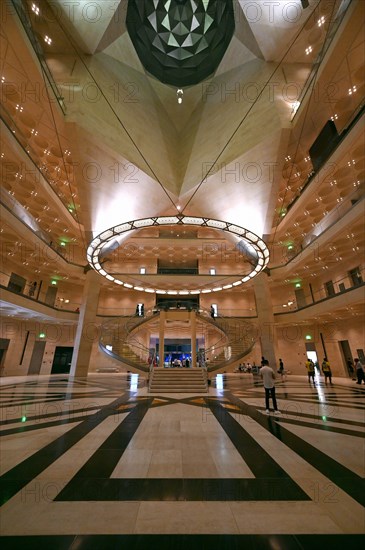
308 337
290 247
53 283
297 285
24 418
42 335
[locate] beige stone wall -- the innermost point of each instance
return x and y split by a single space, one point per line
290 340
291 343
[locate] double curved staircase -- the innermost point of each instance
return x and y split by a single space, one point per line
230 339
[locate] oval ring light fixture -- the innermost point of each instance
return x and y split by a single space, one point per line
250 243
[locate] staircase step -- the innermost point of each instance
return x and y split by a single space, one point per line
174 381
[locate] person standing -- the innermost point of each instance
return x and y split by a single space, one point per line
310 368
326 369
268 376
281 368
359 371
32 289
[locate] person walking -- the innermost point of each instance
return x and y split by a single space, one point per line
268 376
326 369
360 374
310 368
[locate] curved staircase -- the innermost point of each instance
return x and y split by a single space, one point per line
238 336
123 339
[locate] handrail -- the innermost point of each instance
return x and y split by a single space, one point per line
131 363
118 330
222 352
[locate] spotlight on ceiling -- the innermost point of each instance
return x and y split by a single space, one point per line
305 4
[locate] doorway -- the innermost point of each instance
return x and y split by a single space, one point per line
347 357
51 295
311 353
62 360
37 357
4 344
16 283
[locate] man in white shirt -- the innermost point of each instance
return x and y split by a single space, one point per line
268 376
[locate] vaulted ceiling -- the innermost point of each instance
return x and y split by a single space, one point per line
235 149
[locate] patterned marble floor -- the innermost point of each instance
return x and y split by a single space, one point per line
101 463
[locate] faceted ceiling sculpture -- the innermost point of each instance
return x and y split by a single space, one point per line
180 42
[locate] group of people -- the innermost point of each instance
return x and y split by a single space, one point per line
326 369
242 367
268 375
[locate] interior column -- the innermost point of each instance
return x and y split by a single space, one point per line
86 329
161 345
265 314
193 338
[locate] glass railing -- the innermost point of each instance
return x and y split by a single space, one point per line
313 296
177 271
337 19
23 14
119 339
38 292
314 173
344 206
28 151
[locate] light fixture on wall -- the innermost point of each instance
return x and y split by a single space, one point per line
180 94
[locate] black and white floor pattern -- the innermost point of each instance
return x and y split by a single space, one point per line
100 463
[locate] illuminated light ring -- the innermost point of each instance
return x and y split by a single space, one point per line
99 242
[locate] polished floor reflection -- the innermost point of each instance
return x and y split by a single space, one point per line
100 463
